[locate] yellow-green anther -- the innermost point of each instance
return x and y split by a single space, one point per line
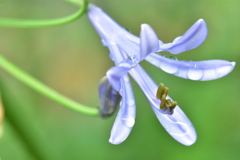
173 105
163 99
165 104
160 91
168 103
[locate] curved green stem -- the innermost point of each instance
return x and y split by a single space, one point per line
5 22
43 89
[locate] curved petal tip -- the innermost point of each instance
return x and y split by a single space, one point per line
177 125
121 135
124 122
191 39
233 64
149 42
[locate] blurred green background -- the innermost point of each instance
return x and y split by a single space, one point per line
71 59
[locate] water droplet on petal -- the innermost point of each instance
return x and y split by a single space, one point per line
127 65
135 59
131 102
195 73
128 122
154 62
169 68
178 129
222 71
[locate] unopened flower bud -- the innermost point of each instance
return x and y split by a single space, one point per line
109 98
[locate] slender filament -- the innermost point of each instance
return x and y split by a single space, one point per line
43 89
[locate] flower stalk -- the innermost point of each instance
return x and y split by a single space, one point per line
44 90
30 23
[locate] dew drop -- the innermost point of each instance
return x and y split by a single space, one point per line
131 102
195 73
169 68
222 71
178 129
134 58
128 122
154 62
127 65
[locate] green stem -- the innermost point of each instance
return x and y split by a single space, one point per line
29 23
43 89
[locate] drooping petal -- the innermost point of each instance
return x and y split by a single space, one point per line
114 74
194 70
177 124
148 41
109 98
126 115
191 39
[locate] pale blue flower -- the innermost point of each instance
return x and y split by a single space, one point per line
127 50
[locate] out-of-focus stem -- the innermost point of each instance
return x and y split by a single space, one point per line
31 23
43 89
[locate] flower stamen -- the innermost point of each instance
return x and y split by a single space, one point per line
165 104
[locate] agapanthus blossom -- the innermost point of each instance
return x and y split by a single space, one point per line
127 50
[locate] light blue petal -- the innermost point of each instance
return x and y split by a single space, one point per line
194 70
177 124
114 74
104 24
116 54
148 41
190 40
110 31
126 115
